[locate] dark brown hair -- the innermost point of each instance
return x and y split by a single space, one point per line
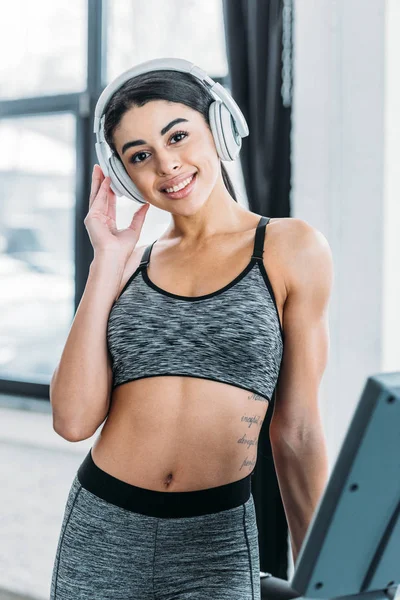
169 85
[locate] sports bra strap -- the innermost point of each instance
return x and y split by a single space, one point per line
146 255
257 251
259 238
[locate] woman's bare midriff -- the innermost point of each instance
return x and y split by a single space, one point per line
177 433
174 433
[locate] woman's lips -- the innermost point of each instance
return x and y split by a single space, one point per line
182 193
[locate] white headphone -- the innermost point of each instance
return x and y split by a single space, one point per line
227 122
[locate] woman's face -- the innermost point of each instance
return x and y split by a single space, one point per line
163 151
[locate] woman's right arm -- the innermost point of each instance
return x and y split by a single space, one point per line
81 384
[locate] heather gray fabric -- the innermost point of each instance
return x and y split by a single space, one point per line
232 335
106 552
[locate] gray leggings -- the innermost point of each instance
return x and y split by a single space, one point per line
122 542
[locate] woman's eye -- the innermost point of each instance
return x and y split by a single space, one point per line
184 133
177 133
135 156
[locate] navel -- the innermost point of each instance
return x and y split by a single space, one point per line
168 479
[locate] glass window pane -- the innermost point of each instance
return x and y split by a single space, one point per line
43 48
37 183
139 31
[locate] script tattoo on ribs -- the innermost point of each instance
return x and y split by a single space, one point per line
251 420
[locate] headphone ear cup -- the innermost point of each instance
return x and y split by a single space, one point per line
122 182
115 183
227 140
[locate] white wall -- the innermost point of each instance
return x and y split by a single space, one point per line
338 183
391 270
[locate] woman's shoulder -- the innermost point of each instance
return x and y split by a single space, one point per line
299 247
294 234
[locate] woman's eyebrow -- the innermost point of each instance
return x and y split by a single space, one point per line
162 132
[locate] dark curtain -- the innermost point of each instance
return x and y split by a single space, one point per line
258 58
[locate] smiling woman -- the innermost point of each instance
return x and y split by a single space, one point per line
131 109
183 377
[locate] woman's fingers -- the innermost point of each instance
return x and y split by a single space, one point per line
138 217
97 180
112 202
99 195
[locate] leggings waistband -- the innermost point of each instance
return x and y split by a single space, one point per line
159 503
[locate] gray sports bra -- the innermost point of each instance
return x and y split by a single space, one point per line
232 335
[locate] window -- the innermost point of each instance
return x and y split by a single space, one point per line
37 177
49 86
43 48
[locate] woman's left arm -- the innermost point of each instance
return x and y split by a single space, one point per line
296 432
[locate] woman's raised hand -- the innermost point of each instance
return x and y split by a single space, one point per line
100 221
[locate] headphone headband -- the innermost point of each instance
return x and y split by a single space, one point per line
227 121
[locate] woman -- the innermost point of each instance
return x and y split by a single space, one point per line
181 355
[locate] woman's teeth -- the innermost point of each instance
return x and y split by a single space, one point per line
182 185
